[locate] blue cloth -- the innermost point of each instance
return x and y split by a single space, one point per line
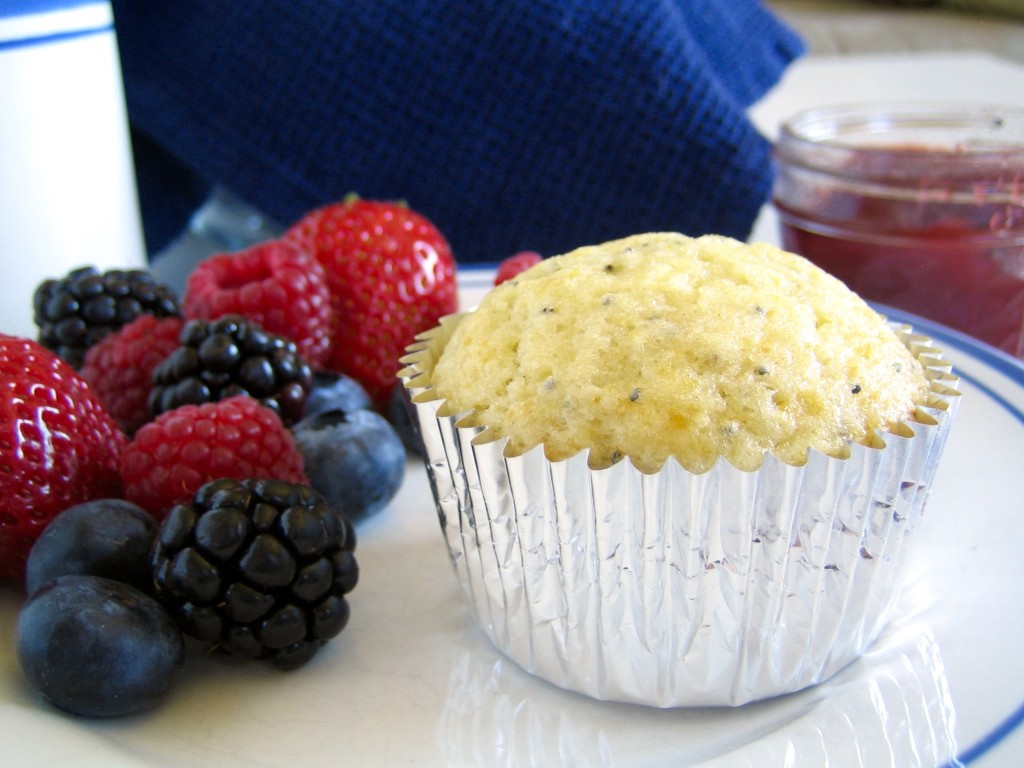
511 124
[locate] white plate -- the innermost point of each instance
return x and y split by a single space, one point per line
412 682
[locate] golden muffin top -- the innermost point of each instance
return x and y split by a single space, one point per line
663 345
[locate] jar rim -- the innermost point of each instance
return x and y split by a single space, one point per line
950 131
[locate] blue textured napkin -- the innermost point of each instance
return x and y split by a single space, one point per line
511 124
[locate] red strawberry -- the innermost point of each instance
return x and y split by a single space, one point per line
391 276
514 264
58 446
180 450
276 284
120 366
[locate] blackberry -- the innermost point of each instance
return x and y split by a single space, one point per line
232 356
76 311
258 568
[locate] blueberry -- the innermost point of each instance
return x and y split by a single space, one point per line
336 392
97 647
398 415
354 459
105 537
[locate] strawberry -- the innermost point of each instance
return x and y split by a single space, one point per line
514 264
58 446
275 284
391 275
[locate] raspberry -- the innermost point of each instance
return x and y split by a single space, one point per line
259 568
58 446
180 450
120 366
78 310
232 356
514 264
275 284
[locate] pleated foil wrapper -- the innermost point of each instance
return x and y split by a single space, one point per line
672 588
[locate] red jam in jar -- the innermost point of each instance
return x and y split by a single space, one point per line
920 207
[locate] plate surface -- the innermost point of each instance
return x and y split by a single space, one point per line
412 682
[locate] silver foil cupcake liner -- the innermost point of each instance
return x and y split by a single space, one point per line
674 588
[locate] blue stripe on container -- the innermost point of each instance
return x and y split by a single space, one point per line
58 37
10 10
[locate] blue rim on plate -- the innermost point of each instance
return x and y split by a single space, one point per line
1013 369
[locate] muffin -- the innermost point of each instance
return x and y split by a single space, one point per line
679 471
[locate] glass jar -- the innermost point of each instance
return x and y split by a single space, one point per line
919 207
